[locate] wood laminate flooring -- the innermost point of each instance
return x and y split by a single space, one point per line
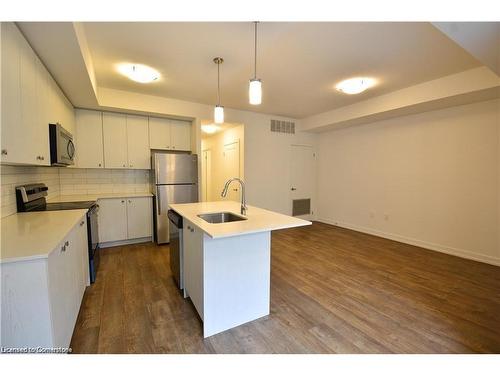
333 290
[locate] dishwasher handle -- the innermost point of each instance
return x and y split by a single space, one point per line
175 218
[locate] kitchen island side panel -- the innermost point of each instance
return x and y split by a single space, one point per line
237 273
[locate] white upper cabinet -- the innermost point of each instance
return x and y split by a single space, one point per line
89 139
112 140
114 126
12 133
165 134
159 133
33 101
138 142
180 135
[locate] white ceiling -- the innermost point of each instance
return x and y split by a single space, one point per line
299 63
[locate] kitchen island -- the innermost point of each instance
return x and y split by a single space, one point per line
227 265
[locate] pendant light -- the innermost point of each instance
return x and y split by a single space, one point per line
218 110
255 85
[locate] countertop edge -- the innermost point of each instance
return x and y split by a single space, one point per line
46 253
270 228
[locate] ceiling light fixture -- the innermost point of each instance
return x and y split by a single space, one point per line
139 73
218 110
355 85
209 128
255 85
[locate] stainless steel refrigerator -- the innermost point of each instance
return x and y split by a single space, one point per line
174 180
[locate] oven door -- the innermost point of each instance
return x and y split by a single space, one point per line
93 241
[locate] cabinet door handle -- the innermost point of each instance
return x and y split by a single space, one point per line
82 222
123 201
129 201
192 230
124 165
66 243
4 152
63 248
99 164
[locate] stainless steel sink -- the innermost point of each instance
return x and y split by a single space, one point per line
221 217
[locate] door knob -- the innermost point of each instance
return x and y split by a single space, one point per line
293 189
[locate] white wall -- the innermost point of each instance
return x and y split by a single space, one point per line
435 175
215 144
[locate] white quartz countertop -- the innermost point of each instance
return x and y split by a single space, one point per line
33 235
258 219
94 197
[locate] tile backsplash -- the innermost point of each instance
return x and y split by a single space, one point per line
92 181
12 176
69 181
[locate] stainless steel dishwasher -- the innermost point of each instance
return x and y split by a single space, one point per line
176 248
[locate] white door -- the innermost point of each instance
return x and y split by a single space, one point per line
112 219
139 156
302 177
206 175
159 133
180 135
114 126
231 168
139 214
89 142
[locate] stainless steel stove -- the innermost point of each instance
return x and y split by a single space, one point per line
31 197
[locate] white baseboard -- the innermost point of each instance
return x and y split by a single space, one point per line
412 241
103 245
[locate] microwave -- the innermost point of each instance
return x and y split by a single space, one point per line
62 148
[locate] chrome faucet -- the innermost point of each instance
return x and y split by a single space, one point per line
243 199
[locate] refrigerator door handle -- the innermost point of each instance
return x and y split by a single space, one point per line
157 169
158 202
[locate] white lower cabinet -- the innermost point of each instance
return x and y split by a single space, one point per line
112 220
124 218
41 298
193 264
139 217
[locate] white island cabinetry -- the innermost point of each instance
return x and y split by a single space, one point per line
227 266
